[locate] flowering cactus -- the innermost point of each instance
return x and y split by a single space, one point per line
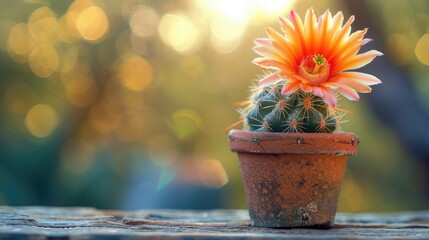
306 68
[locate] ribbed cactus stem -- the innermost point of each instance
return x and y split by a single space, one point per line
270 111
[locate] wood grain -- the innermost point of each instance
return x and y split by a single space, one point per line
89 223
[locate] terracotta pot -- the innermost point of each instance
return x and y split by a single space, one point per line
292 179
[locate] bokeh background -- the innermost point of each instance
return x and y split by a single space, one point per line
124 104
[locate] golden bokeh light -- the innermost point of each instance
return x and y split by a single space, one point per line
240 10
212 173
66 32
144 21
179 32
224 46
44 60
234 30
422 49
43 25
226 39
135 73
20 40
92 24
41 120
73 12
269 8
244 10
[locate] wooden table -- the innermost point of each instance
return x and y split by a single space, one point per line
89 223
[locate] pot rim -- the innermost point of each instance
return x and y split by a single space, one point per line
341 144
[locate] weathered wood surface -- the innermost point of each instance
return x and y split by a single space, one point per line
89 223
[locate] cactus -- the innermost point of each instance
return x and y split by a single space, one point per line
270 111
310 62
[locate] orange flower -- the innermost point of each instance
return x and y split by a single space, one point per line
316 56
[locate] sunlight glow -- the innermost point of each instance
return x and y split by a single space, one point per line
179 32
229 19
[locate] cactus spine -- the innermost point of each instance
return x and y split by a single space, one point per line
270 111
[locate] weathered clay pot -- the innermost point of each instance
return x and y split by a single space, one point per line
292 179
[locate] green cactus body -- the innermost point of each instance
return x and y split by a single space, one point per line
270 111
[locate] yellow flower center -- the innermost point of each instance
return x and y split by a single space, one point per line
314 68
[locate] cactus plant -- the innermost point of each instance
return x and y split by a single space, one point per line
308 65
271 111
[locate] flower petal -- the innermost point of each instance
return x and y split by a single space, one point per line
329 97
356 62
283 47
294 41
348 92
270 78
318 91
290 87
333 27
359 87
366 40
359 81
266 51
323 24
306 87
339 36
364 78
349 47
269 63
299 28
262 42
310 23
331 84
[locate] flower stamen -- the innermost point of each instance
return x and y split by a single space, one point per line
320 61
315 68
